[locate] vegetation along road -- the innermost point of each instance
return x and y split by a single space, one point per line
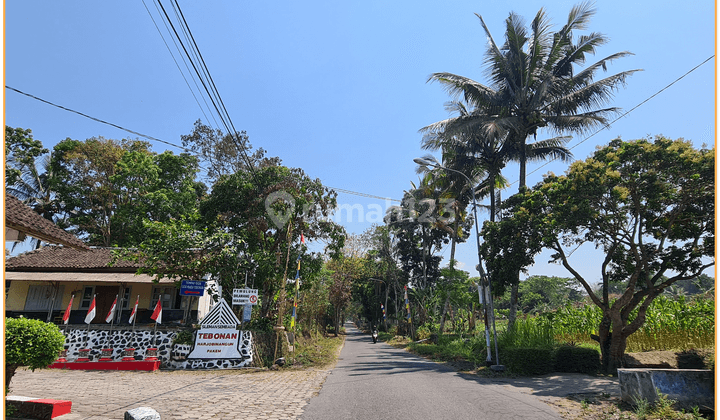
377 381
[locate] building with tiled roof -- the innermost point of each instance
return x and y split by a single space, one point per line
21 220
40 284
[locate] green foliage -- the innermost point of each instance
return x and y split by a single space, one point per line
21 150
184 337
264 325
535 332
528 360
32 343
669 325
423 332
662 190
108 188
574 359
539 293
224 154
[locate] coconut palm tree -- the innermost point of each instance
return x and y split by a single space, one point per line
34 188
534 85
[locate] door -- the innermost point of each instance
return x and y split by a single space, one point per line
104 297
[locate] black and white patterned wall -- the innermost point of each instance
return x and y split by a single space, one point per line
171 356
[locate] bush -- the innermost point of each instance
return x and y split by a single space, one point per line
184 337
30 342
528 361
574 359
423 332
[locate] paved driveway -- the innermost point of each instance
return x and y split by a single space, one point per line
174 394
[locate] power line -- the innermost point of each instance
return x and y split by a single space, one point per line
209 85
626 113
178 66
99 120
364 195
341 190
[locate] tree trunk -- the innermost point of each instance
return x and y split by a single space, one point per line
444 313
9 373
612 346
512 315
471 319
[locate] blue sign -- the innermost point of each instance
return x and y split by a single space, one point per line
192 288
247 313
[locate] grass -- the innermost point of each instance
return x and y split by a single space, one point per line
317 351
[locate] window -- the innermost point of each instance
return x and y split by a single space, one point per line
126 298
166 294
40 297
87 296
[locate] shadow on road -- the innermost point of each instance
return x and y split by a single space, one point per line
385 359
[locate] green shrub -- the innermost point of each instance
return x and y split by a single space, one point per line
573 359
184 337
528 361
30 342
261 325
423 332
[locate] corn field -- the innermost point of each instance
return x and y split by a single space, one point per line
671 324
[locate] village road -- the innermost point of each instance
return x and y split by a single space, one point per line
373 381
377 381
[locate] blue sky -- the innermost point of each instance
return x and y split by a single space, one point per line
336 88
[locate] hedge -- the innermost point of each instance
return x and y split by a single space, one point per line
572 359
528 361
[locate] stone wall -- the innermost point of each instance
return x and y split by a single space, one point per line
173 357
118 340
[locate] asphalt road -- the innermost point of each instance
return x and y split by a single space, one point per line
377 381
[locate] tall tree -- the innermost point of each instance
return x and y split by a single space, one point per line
107 187
648 205
535 84
225 154
267 210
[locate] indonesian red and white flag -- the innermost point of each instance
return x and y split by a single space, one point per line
111 314
157 313
302 238
91 312
134 311
66 315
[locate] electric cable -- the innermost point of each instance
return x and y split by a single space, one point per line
623 115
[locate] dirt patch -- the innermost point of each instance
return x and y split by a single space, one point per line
652 359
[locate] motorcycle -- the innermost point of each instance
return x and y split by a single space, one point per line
374 335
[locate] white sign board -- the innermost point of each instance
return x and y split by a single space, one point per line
245 297
216 343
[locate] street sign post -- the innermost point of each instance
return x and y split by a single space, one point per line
245 297
192 288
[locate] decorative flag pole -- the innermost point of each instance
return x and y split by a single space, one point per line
297 288
134 311
88 319
111 315
66 315
157 317
407 306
